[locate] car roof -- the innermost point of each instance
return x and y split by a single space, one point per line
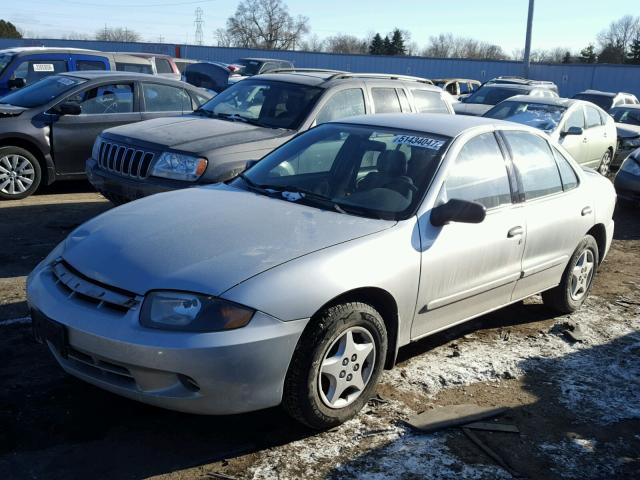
119 75
598 92
557 101
454 80
438 123
17 50
258 59
329 78
632 106
514 86
143 54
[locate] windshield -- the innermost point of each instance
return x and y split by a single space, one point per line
42 91
250 67
265 103
603 101
494 95
361 170
5 58
630 116
538 115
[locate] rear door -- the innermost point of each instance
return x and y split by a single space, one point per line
160 100
103 106
469 269
556 211
88 62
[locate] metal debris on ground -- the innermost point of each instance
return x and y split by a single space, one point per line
452 416
493 427
570 330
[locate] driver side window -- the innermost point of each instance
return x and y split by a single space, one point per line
479 174
115 98
576 119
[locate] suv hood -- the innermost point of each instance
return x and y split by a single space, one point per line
204 240
476 109
195 134
627 131
7 110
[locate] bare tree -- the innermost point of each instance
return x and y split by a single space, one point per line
117 34
265 24
222 37
343 43
77 36
312 43
616 39
446 45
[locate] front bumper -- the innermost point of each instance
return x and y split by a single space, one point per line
126 189
206 373
627 186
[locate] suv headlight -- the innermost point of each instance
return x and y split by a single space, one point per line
630 142
179 166
192 312
630 165
96 148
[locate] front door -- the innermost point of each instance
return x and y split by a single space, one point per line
102 107
576 145
469 269
597 135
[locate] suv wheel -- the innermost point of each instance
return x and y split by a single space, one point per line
20 173
336 365
605 163
577 278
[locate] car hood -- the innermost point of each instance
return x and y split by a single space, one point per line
471 108
627 131
204 240
195 134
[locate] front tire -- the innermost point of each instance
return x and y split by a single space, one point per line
336 365
20 173
605 164
577 278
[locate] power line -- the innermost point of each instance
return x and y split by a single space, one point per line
199 22
111 5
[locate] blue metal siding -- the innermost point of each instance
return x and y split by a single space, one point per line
570 78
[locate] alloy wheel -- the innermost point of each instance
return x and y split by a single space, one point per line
17 174
581 275
347 367
605 163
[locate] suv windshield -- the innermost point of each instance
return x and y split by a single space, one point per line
494 95
603 101
5 58
630 116
251 67
264 103
41 92
538 115
361 170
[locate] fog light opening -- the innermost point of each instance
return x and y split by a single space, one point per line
189 383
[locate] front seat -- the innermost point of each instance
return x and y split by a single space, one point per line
391 174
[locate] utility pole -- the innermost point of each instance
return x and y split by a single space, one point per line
527 45
199 22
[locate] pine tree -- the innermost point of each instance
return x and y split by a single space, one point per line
377 45
387 47
634 52
397 43
588 54
566 58
8 30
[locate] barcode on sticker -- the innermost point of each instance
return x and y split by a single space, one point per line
43 67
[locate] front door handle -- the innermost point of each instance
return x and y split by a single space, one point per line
586 211
585 140
515 231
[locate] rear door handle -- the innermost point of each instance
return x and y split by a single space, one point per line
515 231
586 211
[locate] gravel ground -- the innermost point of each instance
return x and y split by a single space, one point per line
576 404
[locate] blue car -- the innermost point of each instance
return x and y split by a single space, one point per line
22 66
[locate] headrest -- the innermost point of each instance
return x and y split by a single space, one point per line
393 163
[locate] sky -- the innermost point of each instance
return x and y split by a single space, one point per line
570 24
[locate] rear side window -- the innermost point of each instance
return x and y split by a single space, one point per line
134 67
90 65
534 161
429 102
164 98
593 117
385 100
163 66
567 174
345 103
34 70
479 174
464 88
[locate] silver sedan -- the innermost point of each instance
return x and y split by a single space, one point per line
297 282
586 131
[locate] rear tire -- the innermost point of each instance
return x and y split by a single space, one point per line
577 278
336 365
605 164
20 173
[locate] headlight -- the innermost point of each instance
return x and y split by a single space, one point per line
630 166
630 142
179 167
96 148
192 312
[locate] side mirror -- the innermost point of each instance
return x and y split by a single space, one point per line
572 131
249 164
456 210
16 83
69 109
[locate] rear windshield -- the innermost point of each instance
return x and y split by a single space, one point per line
134 67
630 116
5 59
251 67
537 115
41 92
264 103
494 95
603 101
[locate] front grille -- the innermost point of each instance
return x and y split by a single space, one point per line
100 368
78 286
123 160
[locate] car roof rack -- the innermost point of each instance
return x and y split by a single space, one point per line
305 70
381 76
521 80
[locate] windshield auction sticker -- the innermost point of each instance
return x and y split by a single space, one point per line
43 67
422 142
